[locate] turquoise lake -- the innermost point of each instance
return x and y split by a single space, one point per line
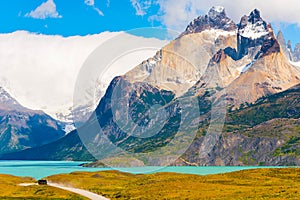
41 169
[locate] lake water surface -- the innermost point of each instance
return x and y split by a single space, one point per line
40 169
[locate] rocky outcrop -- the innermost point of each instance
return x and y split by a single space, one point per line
292 54
286 46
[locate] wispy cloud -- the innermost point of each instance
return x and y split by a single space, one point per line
177 14
141 7
89 2
45 10
92 4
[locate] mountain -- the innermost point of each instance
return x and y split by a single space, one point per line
22 128
172 105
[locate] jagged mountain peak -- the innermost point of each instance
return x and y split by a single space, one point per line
296 53
285 46
215 19
280 36
253 26
7 102
256 37
255 16
216 11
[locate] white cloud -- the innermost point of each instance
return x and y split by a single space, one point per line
45 10
40 71
98 11
176 15
92 4
141 7
89 2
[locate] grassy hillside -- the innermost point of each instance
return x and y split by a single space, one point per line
10 189
248 184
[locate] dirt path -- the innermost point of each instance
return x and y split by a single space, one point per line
81 192
84 193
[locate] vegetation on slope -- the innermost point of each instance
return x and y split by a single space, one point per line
10 189
267 132
248 184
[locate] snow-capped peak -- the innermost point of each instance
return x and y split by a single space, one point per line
4 96
215 19
253 26
7 102
216 11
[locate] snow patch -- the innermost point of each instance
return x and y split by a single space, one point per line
216 33
245 68
218 9
254 31
69 127
295 63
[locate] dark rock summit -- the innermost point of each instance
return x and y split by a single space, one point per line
256 37
215 19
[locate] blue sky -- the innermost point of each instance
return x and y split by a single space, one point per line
75 17
82 17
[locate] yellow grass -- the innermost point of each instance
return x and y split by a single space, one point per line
248 184
10 189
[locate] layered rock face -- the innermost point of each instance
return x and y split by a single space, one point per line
180 64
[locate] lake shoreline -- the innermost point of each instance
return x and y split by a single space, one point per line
41 169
